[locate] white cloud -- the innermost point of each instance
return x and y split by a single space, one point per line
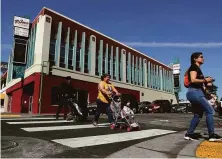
171 44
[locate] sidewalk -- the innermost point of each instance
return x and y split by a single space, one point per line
208 149
173 146
23 115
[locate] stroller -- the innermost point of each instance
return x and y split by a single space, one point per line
75 113
123 116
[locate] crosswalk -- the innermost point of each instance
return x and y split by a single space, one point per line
78 135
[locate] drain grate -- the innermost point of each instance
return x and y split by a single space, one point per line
7 144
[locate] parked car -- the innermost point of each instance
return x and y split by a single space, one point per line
147 107
165 105
178 108
133 102
181 108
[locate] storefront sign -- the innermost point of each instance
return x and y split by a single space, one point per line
176 68
21 32
21 22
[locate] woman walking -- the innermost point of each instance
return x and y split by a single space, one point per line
196 96
105 90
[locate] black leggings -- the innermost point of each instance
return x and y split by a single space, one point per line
101 106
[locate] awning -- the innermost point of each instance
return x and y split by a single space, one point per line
2 96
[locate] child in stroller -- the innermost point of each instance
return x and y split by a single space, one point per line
123 113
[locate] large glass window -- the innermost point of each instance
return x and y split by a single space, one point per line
86 56
62 56
52 50
97 57
70 57
104 57
109 58
78 53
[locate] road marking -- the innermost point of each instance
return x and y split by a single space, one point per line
31 118
50 128
111 138
10 115
40 122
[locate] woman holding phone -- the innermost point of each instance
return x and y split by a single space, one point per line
197 97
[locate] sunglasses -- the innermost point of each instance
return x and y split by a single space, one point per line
201 57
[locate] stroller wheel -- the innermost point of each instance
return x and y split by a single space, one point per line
129 129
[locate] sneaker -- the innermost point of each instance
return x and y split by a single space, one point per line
215 137
95 123
191 137
112 126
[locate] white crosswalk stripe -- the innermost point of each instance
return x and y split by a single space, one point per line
40 122
111 138
70 127
28 118
88 139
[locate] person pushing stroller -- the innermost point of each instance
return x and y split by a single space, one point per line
105 91
67 99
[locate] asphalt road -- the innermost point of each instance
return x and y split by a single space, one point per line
46 137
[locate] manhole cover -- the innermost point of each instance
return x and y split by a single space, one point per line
6 144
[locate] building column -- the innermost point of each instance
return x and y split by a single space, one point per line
42 43
111 63
129 68
161 78
123 65
74 51
164 80
67 49
117 64
100 59
92 55
157 77
133 70
82 52
106 59
140 71
154 76
149 75
58 44
136 71
144 72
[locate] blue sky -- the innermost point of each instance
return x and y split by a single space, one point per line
164 30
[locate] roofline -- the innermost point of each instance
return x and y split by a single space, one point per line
106 36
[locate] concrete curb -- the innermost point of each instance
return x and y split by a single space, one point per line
168 146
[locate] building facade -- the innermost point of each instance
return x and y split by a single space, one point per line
59 46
